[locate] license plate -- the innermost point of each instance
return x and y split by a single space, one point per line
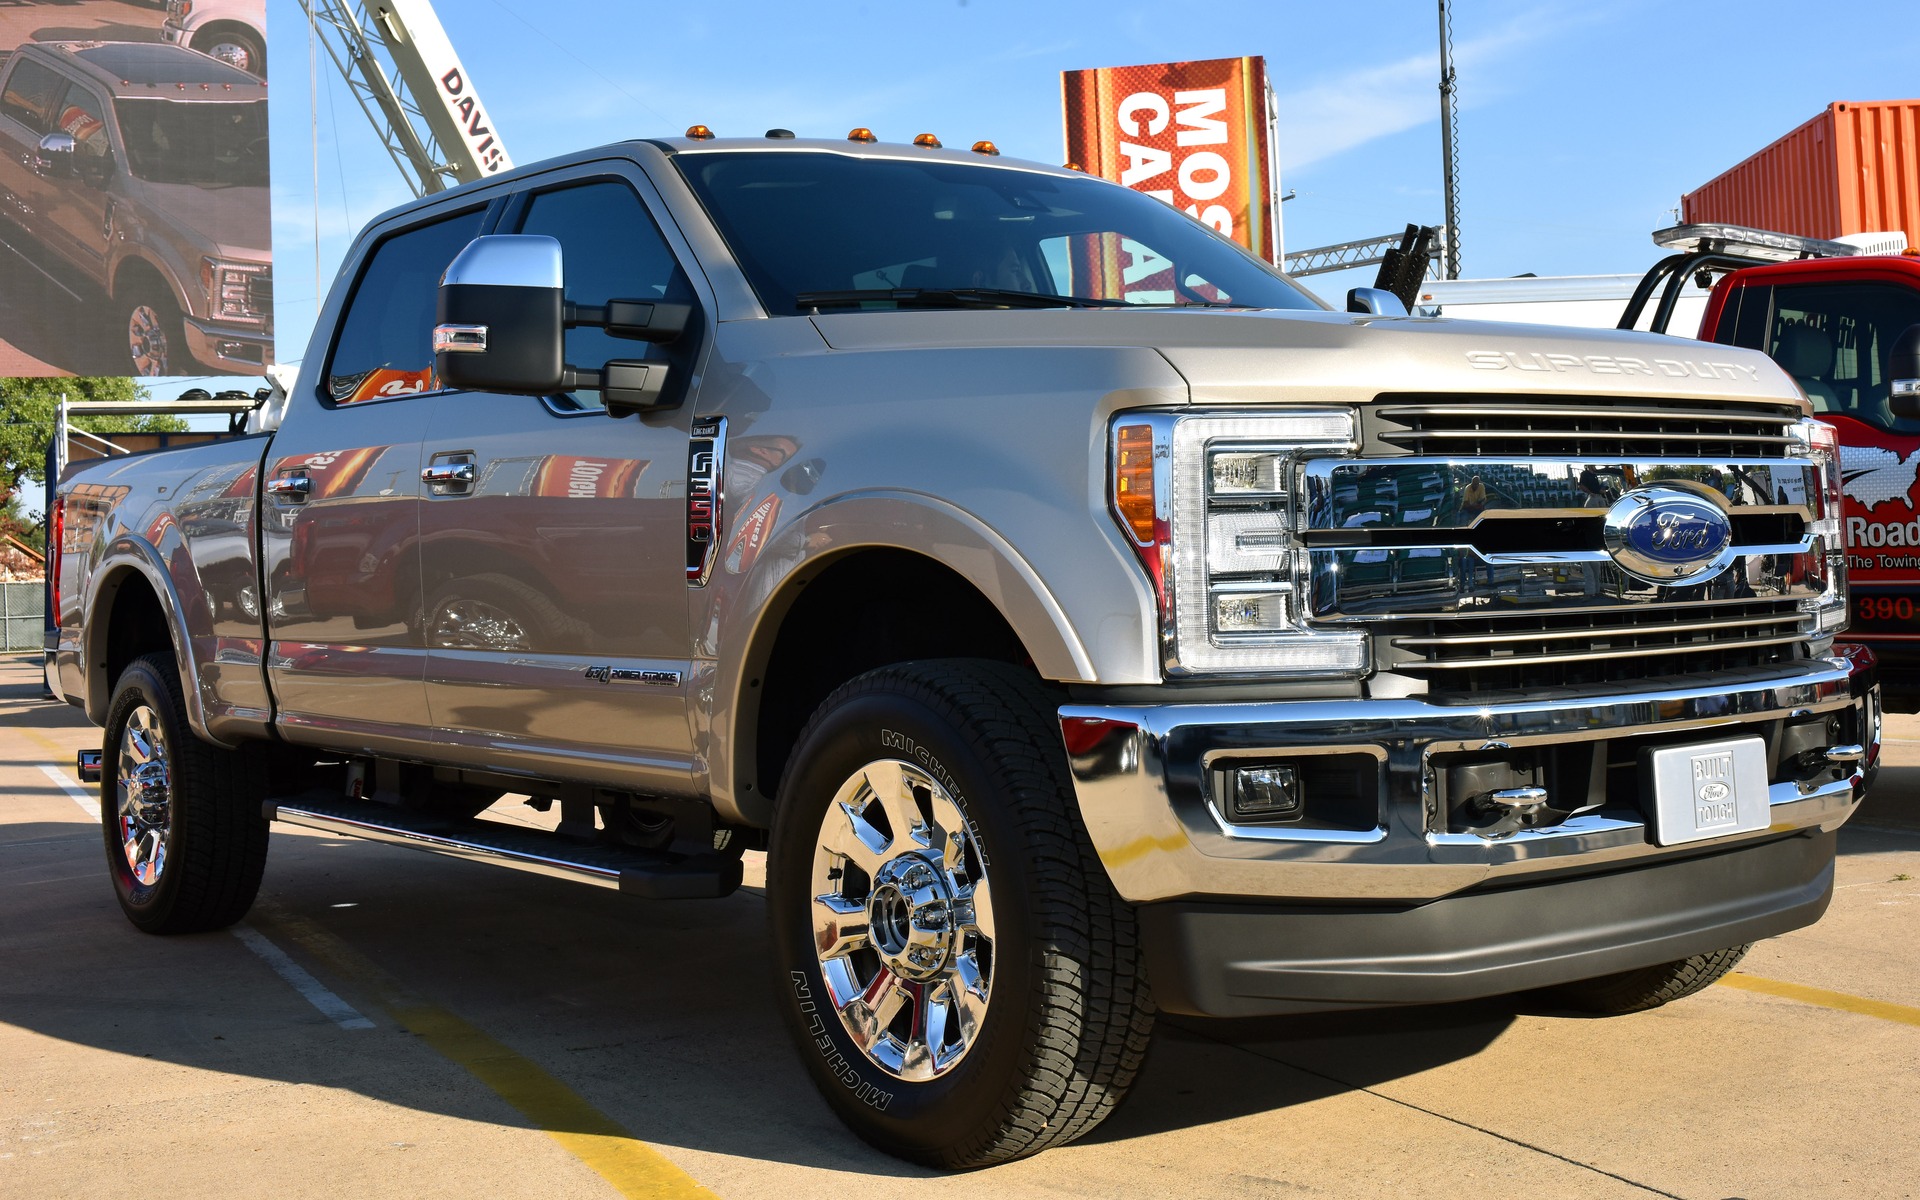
1708 790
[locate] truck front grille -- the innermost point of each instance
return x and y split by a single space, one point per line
1468 540
1508 651
1551 427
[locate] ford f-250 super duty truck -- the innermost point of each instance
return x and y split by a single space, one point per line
1071 656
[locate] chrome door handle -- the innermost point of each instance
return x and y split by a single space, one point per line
296 486
451 475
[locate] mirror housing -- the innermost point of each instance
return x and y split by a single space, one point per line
1903 374
501 325
499 321
56 155
1377 301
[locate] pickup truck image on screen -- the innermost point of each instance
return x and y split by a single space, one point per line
1084 620
133 178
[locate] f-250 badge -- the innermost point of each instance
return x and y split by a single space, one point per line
706 463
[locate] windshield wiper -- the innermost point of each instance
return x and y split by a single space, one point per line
967 297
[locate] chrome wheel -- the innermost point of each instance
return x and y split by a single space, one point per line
145 784
147 340
476 625
903 920
237 54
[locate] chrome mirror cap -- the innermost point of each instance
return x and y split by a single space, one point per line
523 260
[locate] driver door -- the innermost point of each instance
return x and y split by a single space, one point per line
77 204
553 558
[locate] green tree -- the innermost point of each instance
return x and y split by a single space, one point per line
28 408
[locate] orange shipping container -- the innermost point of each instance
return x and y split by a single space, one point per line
1855 168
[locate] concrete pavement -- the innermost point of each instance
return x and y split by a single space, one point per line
523 1036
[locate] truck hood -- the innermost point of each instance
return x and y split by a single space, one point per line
233 223
1262 356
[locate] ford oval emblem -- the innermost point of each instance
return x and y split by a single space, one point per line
1665 535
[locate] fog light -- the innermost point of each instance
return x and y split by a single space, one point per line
1265 794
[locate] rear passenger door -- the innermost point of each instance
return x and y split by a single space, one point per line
553 569
340 509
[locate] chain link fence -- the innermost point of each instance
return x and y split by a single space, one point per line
22 615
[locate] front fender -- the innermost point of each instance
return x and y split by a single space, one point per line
745 610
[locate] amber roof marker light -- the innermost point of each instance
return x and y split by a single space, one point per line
928 140
1074 166
985 147
699 133
862 134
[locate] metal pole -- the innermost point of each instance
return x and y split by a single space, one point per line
1449 153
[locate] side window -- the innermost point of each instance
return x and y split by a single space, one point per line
613 251
385 347
83 116
29 95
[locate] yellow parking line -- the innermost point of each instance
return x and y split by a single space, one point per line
633 1168
1904 1014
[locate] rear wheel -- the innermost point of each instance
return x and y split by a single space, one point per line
963 982
1649 987
185 839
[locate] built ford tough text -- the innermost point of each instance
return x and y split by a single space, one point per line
1085 620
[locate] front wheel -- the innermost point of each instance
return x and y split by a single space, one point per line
236 47
963 982
1649 987
155 340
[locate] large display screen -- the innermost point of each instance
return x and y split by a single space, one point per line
134 203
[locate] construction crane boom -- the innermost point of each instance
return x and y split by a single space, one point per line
402 69
1363 253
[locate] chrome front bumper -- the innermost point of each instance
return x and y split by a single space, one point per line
246 349
1139 772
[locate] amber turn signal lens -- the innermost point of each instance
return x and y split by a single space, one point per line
1133 480
928 140
862 134
699 133
985 147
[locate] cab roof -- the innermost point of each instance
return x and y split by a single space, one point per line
877 149
155 70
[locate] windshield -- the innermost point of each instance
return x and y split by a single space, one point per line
214 145
817 229
1835 339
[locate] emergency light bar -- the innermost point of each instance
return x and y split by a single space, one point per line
1752 243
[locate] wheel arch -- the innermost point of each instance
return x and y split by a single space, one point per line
136 268
133 608
959 591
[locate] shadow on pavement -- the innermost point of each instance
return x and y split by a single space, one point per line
660 1013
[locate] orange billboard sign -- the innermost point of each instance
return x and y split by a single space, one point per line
1194 134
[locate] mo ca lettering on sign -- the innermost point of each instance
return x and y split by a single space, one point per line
1191 175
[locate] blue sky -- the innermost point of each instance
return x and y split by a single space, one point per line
1581 122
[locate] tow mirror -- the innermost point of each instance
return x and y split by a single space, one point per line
1903 372
56 156
503 317
499 326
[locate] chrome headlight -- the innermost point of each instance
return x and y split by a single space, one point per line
1817 441
1209 503
237 291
